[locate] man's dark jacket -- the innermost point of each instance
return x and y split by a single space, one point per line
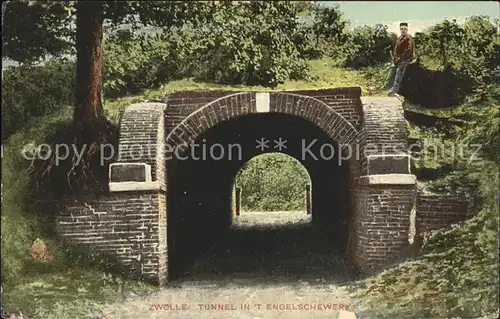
403 50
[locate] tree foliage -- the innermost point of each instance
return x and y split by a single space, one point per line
51 87
368 46
35 30
471 49
272 182
251 43
329 23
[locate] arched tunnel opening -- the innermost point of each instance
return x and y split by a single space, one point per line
271 182
201 180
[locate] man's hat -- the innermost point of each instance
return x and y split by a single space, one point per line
403 24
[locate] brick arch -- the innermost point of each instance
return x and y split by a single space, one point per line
239 104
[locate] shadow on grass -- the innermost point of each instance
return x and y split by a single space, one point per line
289 254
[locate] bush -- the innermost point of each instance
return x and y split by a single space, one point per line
443 88
133 64
272 182
251 43
368 46
472 48
30 92
17 236
245 43
309 46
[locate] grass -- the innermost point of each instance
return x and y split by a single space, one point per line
450 279
19 224
325 75
49 290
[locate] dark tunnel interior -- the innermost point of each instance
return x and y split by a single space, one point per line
200 181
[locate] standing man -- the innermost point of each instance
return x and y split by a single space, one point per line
403 54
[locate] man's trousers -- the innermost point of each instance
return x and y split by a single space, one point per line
396 76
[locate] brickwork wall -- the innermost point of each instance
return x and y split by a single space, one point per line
438 211
181 104
316 111
237 104
140 138
380 219
218 110
162 239
383 129
381 223
161 165
129 226
133 225
344 101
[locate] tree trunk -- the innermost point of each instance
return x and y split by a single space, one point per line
4 8
89 34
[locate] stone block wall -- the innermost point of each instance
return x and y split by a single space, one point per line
127 225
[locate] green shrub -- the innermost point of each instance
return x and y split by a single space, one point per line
471 48
133 64
30 92
368 46
272 182
251 43
17 237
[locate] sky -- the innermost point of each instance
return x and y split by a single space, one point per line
418 14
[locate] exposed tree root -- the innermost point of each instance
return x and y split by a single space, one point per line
76 161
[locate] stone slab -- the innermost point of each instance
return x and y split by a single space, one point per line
134 186
129 172
388 179
389 164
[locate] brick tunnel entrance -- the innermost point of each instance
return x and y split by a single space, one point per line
365 207
201 180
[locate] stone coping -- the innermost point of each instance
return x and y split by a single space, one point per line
134 186
387 179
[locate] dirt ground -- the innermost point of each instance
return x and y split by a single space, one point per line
271 265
